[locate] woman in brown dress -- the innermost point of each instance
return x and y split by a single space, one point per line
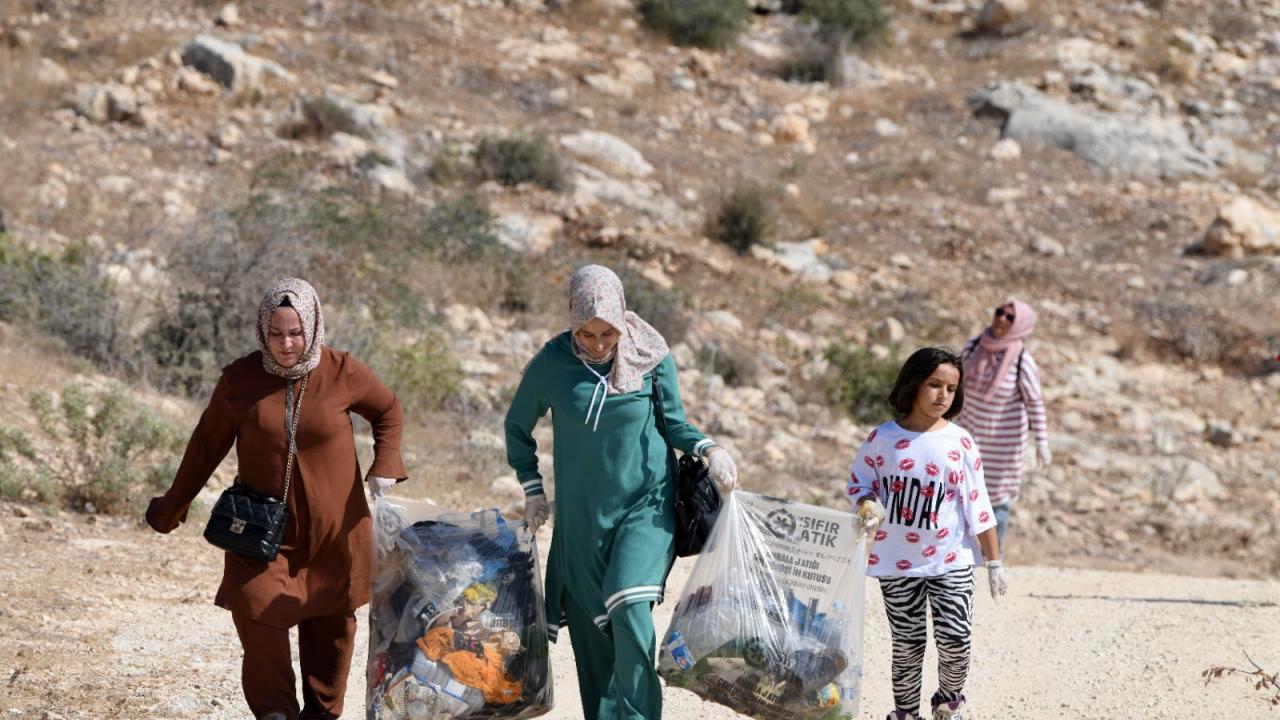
322 573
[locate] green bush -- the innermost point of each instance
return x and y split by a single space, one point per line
447 168
733 362
861 382
743 220
460 229
710 24
14 444
853 20
807 65
425 375
66 298
512 161
107 452
664 309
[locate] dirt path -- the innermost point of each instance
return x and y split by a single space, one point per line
104 619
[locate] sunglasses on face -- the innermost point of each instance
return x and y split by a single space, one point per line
1002 313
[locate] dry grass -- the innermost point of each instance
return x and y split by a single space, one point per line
22 95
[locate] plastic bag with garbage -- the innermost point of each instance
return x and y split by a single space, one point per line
770 623
457 625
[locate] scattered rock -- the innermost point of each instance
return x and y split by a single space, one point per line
392 179
528 234
724 320
227 136
1140 145
383 79
609 85
1000 196
801 258
887 128
889 331
51 74
791 130
634 72
730 126
607 152
229 16
193 81
506 486
110 102
1006 150
593 188
1243 227
998 17
228 63
1223 435
1196 481
1046 245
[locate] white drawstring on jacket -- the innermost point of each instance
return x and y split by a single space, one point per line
601 384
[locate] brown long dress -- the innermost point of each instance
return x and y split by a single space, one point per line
323 568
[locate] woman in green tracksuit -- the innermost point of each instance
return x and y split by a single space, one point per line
611 547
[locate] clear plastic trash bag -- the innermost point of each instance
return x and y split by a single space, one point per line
770 623
457 626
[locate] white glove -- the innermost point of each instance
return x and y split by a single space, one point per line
536 511
997 578
722 469
871 513
1044 458
378 485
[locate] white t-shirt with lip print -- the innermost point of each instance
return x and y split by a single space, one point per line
934 496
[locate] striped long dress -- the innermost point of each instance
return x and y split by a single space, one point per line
999 424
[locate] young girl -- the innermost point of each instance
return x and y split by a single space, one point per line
920 475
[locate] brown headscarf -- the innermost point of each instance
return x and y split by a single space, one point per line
302 298
596 292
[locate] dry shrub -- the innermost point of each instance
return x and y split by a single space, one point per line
1159 54
516 160
22 94
1176 328
712 24
1232 24
743 220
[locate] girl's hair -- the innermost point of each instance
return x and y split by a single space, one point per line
916 370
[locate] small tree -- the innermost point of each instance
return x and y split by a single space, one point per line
842 22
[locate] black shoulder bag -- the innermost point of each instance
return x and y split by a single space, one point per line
697 503
248 523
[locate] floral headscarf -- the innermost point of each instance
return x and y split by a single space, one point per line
596 292
302 298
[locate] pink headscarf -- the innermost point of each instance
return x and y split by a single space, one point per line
989 345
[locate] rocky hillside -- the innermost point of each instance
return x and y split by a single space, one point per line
438 168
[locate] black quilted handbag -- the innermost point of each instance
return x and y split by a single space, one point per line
248 523
697 502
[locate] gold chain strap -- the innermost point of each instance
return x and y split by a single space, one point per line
293 439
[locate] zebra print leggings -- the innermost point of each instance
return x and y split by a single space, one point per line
950 597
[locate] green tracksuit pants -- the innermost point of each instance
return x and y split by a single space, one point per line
617 678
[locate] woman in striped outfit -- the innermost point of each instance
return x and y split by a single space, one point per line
1003 399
